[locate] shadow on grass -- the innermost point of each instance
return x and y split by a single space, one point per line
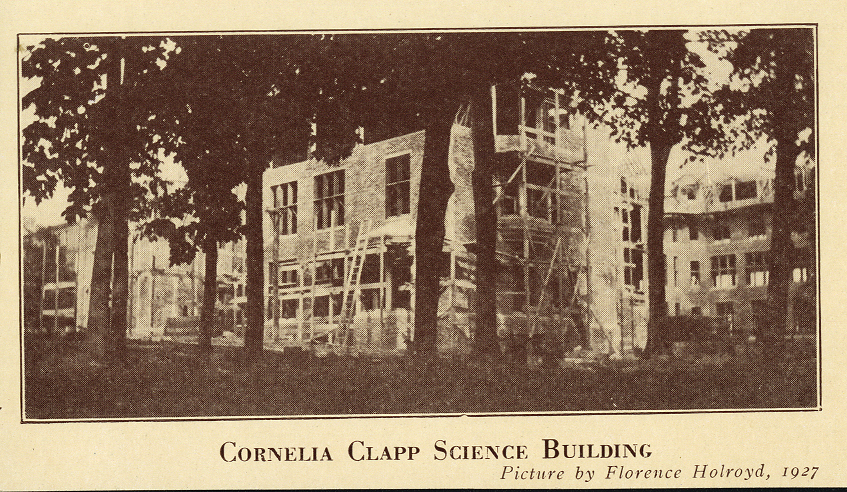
171 380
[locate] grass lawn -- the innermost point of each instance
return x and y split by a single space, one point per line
169 380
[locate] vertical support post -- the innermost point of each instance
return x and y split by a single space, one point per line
382 284
588 294
77 269
275 218
526 245
131 279
523 200
300 272
193 284
175 285
152 291
453 242
43 281
559 227
56 288
314 273
493 115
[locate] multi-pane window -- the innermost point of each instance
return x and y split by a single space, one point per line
329 199
370 299
285 204
741 190
631 224
756 228
67 272
288 277
627 188
675 271
330 271
633 272
540 114
723 271
66 298
695 273
548 116
285 278
756 264
321 307
721 232
397 178
509 202
800 262
799 184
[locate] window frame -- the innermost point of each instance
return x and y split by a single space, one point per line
723 269
329 191
285 204
757 268
398 183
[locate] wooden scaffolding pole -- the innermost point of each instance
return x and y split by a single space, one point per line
275 218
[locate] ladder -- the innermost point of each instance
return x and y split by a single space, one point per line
541 297
352 284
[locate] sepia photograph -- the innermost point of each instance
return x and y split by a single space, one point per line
429 222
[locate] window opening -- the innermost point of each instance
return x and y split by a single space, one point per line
723 271
756 264
397 179
695 273
285 202
329 199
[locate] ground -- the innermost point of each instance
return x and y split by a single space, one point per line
168 379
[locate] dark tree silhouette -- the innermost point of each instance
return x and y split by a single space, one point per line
93 106
773 94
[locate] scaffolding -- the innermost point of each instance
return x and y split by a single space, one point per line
536 245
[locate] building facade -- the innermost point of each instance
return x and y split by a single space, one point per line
570 243
164 299
717 243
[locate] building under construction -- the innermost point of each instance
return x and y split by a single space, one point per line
164 299
718 228
340 245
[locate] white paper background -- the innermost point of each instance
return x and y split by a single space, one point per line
185 454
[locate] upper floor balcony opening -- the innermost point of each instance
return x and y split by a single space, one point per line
536 121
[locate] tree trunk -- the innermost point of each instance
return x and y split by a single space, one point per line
482 133
656 271
210 284
120 286
434 194
779 281
101 281
783 110
254 331
102 273
110 275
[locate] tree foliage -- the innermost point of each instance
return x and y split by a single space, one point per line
237 103
93 107
772 92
